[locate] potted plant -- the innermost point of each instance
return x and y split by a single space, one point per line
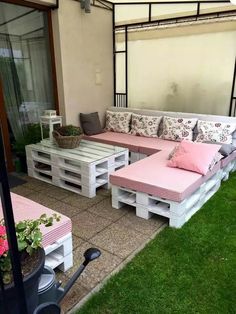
68 136
32 135
32 256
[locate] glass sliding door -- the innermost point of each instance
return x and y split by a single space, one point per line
25 67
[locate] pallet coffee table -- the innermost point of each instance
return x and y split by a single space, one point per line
81 170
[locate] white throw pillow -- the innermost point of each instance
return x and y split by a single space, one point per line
144 125
178 129
212 131
118 121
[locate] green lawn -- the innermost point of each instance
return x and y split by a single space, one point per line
189 270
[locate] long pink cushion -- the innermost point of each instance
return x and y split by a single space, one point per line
152 176
118 139
24 208
225 161
144 145
149 146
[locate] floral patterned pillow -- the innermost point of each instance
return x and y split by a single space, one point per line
178 129
142 125
215 132
118 121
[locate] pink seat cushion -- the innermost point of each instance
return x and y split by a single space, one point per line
193 156
149 146
118 139
24 208
134 143
152 176
225 161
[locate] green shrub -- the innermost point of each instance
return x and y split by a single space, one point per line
32 135
69 130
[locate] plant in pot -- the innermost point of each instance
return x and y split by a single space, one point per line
32 257
68 136
32 135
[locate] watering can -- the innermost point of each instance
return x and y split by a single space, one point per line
50 291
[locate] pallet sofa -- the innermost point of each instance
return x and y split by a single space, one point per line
57 239
150 185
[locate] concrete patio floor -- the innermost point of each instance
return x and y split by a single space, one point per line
118 233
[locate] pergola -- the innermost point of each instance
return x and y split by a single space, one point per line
197 11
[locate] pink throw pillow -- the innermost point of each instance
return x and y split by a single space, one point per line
195 157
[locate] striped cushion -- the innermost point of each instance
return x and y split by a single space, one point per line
24 208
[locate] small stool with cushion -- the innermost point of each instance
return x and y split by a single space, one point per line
57 239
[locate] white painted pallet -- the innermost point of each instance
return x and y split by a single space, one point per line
60 253
133 157
178 213
81 170
230 167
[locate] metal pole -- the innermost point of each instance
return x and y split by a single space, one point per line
231 111
11 232
3 295
126 64
114 53
150 12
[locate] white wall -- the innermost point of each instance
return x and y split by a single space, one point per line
189 73
84 59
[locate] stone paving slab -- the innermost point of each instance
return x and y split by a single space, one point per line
147 227
76 293
22 190
86 224
118 233
65 209
77 241
42 199
58 193
119 240
105 210
37 185
96 270
82 202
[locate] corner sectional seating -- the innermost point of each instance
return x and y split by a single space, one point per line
57 239
150 185
137 145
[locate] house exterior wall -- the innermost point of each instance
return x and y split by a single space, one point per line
84 59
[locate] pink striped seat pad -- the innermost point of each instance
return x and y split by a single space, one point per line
152 176
225 161
141 144
24 208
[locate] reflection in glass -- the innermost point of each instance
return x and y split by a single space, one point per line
25 66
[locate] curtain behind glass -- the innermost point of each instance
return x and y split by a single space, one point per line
25 65
11 87
41 74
